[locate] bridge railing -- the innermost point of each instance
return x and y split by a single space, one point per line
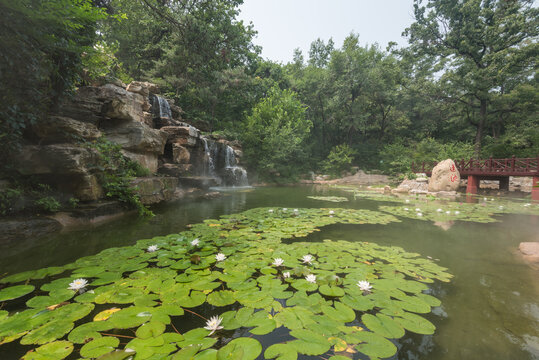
509 166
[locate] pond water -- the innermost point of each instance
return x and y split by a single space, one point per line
490 309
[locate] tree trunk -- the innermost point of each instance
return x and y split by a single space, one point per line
480 126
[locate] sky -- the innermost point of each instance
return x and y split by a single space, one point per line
284 25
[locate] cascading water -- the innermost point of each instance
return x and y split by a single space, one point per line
161 110
235 175
220 164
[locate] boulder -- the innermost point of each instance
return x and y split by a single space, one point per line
530 253
58 159
137 137
153 190
60 129
174 132
180 154
147 160
121 104
176 170
66 166
143 88
445 177
414 186
83 106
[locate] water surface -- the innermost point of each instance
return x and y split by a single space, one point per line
490 309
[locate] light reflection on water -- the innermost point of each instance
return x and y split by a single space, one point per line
490 310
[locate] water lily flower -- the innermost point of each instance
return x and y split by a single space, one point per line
78 284
307 259
527 205
501 207
278 262
220 257
214 324
285 209
331 212
364 285
417 209
311 278
419 214
152 248
457 212
270 210
439 210
407 201
485 199
406 209
296 210
195 242
286 275
448 212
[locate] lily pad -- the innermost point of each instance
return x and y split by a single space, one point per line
14 292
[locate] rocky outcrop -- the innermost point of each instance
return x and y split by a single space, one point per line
530 253
27 228
445 177
419 185
154 190
60 129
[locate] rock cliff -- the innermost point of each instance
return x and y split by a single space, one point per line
149 131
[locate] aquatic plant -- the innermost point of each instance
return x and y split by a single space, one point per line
349 296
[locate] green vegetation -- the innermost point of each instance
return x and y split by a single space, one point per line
115 173
232 274
465 86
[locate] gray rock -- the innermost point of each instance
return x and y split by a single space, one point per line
153 190
20 229
60 129
136 137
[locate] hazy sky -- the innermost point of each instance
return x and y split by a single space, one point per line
284 25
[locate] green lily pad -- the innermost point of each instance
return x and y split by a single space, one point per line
331 291
241 349
281 352
383 325
98 347
221 298
16 291
54 350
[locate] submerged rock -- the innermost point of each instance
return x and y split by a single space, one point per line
530 253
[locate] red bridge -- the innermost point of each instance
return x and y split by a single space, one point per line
491 169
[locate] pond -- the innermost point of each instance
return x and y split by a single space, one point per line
489 308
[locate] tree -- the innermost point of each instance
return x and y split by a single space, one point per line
41 50
274 136
481 46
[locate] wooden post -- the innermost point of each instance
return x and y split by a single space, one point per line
473 184
535 188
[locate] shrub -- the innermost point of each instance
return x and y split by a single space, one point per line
339 159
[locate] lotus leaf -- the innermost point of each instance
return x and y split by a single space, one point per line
241 349
53 350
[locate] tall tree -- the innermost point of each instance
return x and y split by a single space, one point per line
479 45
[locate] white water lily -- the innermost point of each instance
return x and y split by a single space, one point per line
417 209
152 248
439 210
311 278
406 209
195 242
286 275
285 209
501 207
278 262
296 210
307 259
457 212
270 210
220 257
527 205
331 212
419 214
364 285
448 212
407 201
78 284
214 324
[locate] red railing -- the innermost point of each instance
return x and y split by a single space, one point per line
490 167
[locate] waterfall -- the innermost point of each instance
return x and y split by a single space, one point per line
209 159
230 157
161 110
